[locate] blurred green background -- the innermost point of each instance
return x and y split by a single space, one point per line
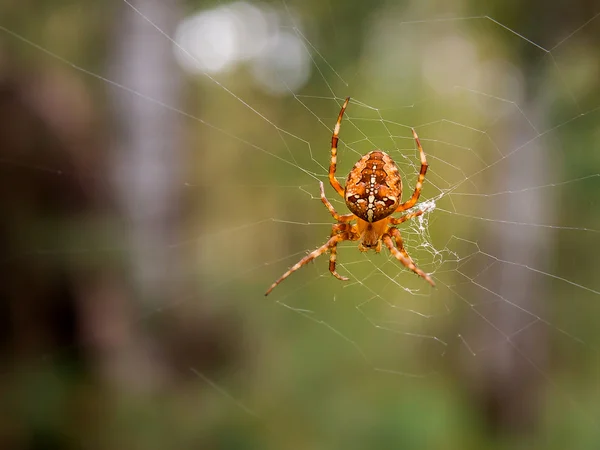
159 169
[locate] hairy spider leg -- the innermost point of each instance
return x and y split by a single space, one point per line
399 220
329 245
399 243
413 200
402 256
339 217
334 143
345 230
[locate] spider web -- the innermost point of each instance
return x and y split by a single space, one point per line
509 233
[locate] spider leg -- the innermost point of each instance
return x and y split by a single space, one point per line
331 243
340 218
332 258
334 142
413 200
407 262
395 232
399 220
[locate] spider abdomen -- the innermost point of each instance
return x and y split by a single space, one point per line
374 187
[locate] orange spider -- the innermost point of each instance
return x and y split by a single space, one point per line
373 192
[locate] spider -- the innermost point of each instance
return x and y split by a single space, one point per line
373 192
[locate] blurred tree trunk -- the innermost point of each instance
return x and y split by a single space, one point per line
507 377
146 171
147 146
508 373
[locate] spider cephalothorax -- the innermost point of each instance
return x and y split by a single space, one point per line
373 193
